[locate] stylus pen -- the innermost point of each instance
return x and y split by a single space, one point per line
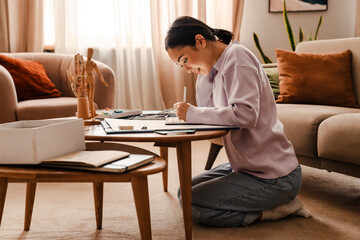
184 99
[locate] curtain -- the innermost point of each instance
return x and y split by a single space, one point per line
4 27
119 40
171 77
237 17
131 42
21 25
357 19
134 56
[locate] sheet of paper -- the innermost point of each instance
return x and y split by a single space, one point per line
138 125
174 121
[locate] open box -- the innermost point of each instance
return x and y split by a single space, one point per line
32 141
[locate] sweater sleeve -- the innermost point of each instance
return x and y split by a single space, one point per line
242 88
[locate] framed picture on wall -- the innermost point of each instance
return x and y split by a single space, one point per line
276 6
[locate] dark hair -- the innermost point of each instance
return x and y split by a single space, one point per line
184 29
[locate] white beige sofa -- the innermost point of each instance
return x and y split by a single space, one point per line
326 137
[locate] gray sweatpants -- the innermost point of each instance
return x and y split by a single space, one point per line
222 197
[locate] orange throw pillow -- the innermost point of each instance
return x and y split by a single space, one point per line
30 79
323 79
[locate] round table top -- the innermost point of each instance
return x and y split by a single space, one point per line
98 133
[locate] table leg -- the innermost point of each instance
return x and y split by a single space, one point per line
141 197
29 204
3 188
98 190
183 151
164 153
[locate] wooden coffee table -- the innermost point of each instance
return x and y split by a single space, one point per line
138 178
182 143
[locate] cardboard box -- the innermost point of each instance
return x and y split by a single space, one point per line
31 142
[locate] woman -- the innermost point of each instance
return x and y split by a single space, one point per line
263 176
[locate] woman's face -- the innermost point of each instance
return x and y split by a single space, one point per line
194 59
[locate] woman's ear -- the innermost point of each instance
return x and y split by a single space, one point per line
200 41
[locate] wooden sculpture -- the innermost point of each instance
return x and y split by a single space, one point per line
83 85
79 88
90 66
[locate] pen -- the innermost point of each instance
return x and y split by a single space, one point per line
184 98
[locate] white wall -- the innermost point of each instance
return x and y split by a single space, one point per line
338 22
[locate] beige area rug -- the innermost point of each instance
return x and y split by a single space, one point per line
66 211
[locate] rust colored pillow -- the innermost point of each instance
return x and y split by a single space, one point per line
323 79
30 79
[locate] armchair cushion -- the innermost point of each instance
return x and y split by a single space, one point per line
30 79
309 78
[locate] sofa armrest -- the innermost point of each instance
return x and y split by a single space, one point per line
8 97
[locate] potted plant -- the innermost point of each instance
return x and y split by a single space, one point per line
289 31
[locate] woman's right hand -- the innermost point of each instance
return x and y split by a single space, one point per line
181 109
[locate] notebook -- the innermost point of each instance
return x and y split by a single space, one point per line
102 161
118 126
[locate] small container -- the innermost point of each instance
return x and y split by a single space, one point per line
32 141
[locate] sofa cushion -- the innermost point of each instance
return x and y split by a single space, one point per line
316 78
273 76
337 45
30 79
339 138
301 122
46 108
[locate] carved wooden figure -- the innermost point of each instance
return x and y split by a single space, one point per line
90 67
78 87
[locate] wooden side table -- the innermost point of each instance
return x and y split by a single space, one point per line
138 178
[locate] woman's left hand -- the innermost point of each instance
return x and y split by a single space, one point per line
181 109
